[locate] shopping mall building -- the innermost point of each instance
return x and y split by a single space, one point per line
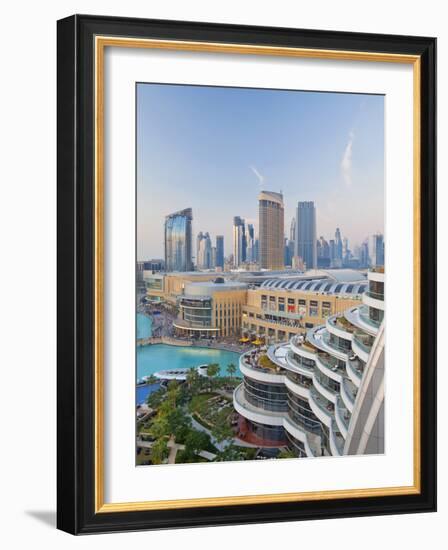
265 305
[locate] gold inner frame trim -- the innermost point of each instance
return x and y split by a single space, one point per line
101 42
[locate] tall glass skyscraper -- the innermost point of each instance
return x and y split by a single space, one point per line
250 252
239 241
204 251
178 243
376 250
305 242
220 251
271 228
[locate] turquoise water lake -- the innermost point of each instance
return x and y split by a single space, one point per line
151 359
143 326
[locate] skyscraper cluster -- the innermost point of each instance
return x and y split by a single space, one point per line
271 250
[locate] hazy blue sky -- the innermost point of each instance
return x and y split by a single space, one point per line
214 149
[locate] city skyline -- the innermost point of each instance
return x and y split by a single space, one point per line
186 144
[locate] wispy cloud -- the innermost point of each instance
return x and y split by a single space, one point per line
259 176
346 162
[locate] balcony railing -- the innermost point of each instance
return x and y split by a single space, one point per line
330 363
364 314
299 379
364 341
342 324
325 382
326 406
338 440
291 359
375 295
343 413
350 390
356 367
272 405
334 344
253 360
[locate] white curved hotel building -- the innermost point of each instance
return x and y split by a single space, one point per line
323 394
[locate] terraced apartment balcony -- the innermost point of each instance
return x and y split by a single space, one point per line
337 441
297 365
258 366
255 413
321 407
325 386
339 326
373 299
342 417
348 394
362 345
298 384
355 370
330 366
359 317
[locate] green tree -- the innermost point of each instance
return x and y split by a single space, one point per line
195 442
194 381
231 370
231 452
154 399
152 379
212 372
179 424
286 453
222 431
159 451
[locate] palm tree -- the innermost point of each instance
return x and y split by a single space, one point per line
212 371
231 369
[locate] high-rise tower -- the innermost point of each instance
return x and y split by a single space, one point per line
305 242
178 241
220 251
271 228
239 241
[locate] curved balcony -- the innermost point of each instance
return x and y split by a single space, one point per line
256 414
372 299
312 442
339 326
376 274
296 366
251 367
348 394
336 440
319 337
321 407
329 366
362 345
277 354
355 370
298 384
342 416
359 317
324 388
302 348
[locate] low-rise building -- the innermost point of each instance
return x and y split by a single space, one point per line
211 309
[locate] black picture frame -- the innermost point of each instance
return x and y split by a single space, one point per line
76 264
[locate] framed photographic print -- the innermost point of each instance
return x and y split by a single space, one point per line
247 274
